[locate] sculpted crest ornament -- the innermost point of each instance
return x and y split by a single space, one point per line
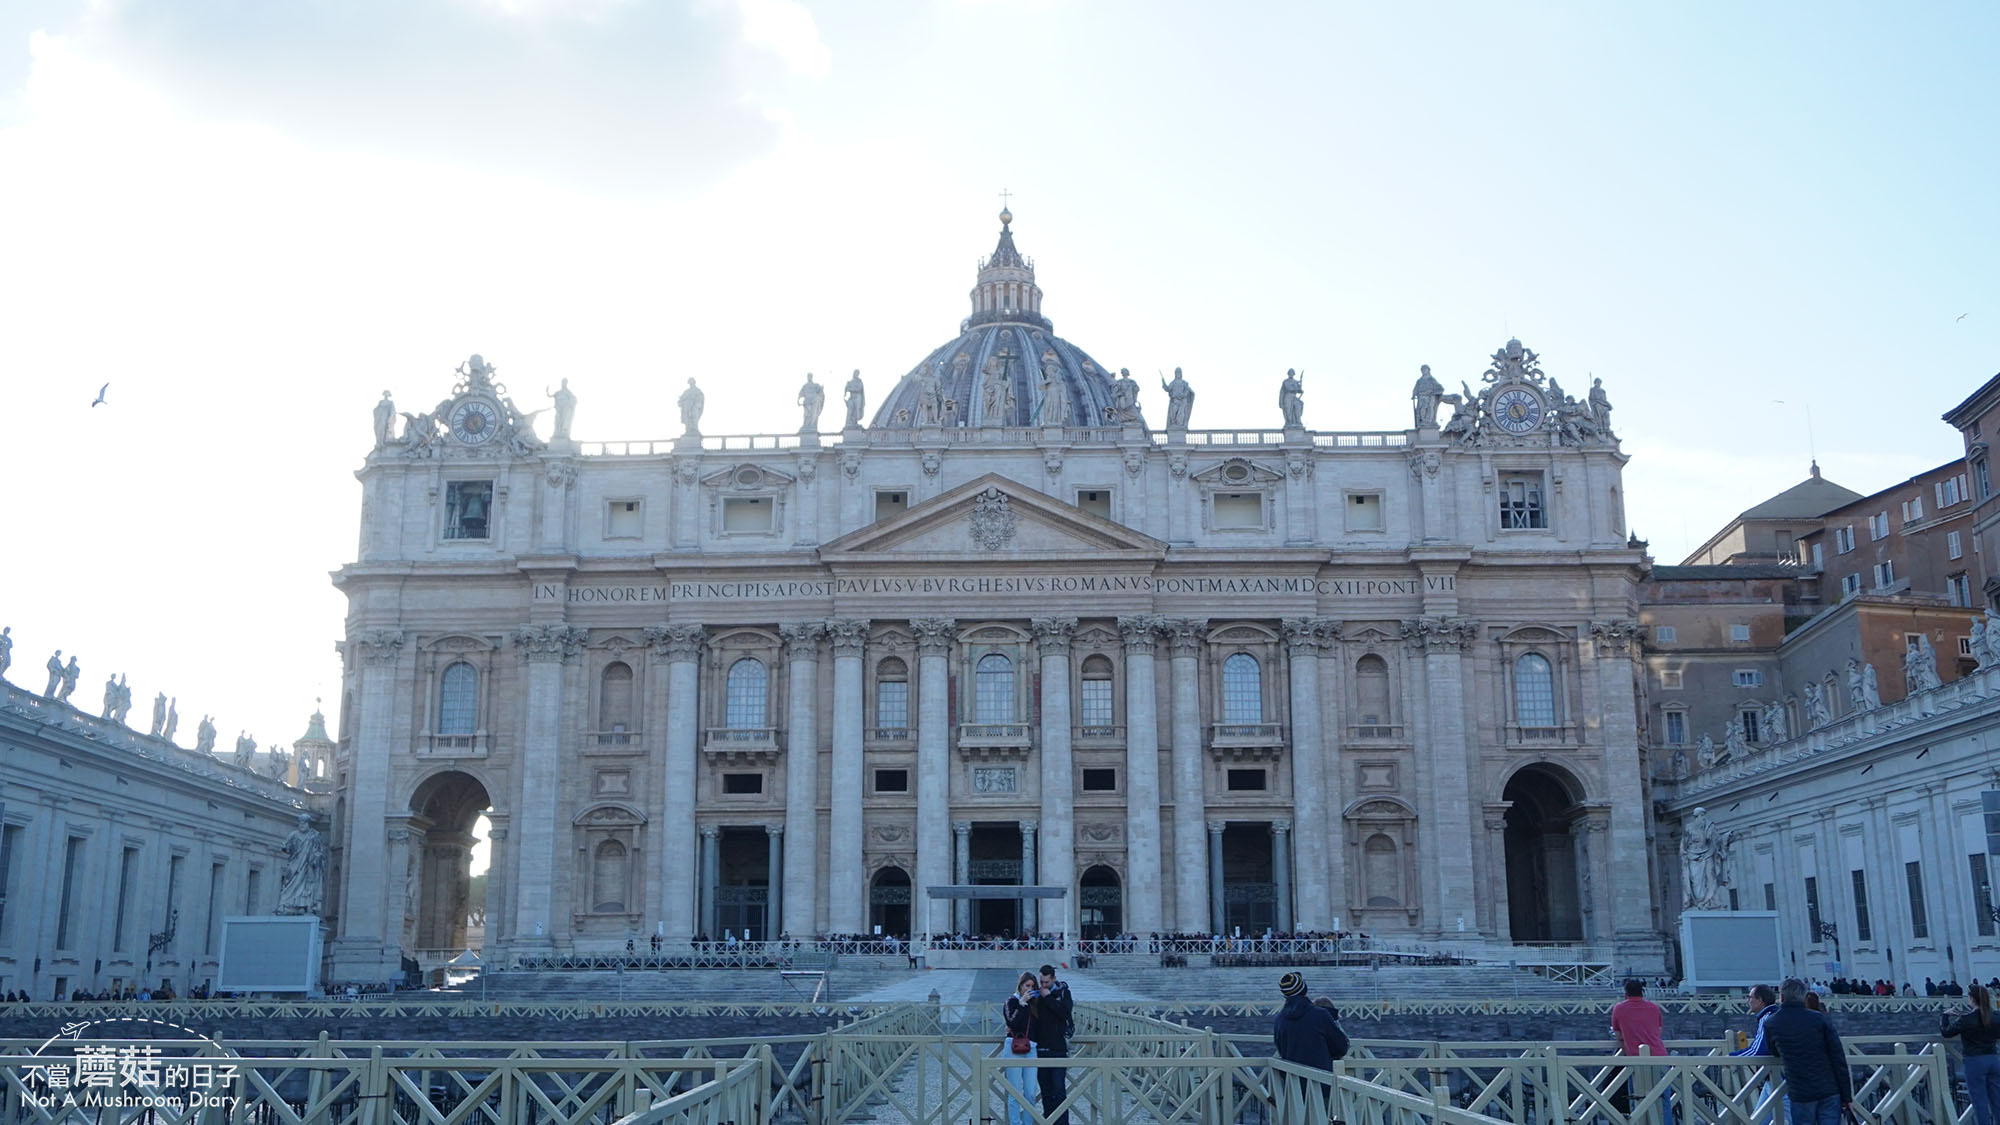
992 523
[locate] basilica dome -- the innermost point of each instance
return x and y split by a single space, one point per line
995 372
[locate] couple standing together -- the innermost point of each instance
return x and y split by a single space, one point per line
1038 1026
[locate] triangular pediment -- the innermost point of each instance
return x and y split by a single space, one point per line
993 517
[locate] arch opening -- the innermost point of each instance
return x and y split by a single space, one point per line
444 898
1543 818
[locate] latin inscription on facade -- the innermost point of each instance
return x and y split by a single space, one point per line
812 588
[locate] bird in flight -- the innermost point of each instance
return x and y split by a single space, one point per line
99 400
1961 316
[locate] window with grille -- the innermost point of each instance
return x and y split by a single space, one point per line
1534 691
993 690
892 695
458 700
1242 689
1521 504
468 508
746 695
1094 709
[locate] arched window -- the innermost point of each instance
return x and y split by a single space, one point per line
892 695
1534 691
607 878
1094 709
1371 691
1242 689
614 699
993 690
745 694
458 700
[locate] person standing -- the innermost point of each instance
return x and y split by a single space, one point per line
1638 1024
1304 1032
1018 1015
1052 1008
1763 1004
1818 1086
1978 1032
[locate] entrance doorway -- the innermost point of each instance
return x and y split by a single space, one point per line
1542 899
1249 893
889 902
996 862
743 887
1102 902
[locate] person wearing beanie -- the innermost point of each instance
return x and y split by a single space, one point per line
1305 1033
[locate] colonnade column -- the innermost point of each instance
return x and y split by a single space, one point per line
1031 908
780 866
1281 859
1058 854
1442 641
1191 897
961 873
711 874
1308 770
362 945
1142 777
934 637
680 647
801 854
847 879
545 648
1217 914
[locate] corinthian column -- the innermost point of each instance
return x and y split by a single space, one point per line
801 854
847 880
1442 640
934 636
366 862
1191 905
680 647
1142 776
545 648
961 873
1314 905
1030 907
1058 855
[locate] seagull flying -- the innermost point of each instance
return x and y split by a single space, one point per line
99 400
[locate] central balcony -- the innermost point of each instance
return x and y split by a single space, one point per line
1246 742
995 741
742 745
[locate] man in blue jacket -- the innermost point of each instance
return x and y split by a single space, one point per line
1818 1085
1052 1006
1305 1033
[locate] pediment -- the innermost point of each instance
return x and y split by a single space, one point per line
747 478
993 517
1237 472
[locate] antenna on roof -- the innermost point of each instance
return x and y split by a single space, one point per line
1812 446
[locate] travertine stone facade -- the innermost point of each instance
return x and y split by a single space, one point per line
780 684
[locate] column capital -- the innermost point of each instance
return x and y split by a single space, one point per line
1215 827
1052 634
1616 636
710 832
1183 634
676 643
961 827
774 830
1030 827
1141 633
1440 634
1302 634
802 639
548 644
934 634
1496 815
377 646
1281 827
848 635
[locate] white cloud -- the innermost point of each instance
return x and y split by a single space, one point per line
786 28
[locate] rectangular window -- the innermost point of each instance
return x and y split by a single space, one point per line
622 519
747 515
1819 556
1521 504
1747 677
1965 646
72 860
892 781
1843 538
468 508
217 875
1664 635
1677 728
1238 510
1812 909
252 884
891 503
1982 479
1862 930
1100 780
1885 574
1958 590
1878 525
742 784
1733 905
1739 634
1244 781
1670 679
1748 720
1920 923
1850 585
1364 511
1953 549
10 846
1096 501
1982 894
892 704
1913 509
173 898
1770 896
1094 705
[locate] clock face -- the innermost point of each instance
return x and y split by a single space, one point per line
1517 410
473 422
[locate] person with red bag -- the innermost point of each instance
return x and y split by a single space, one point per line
1019 1043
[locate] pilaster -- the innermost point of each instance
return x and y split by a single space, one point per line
1058 853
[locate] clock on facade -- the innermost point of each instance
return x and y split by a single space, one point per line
473 421
1517 410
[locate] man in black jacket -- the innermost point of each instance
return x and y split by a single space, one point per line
1052 1006
1818 1085
1304 1032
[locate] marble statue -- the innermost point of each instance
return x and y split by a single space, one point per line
124 699
204 735
1735 742
1055 392
1920 667
855 397
385 420
1818 711
812 399
173 719
1125 398
1776 724
6 649
1180 401
930 398
1871 690
1862 692
70 674
691 402
1425 397
996 392
1464 413
1704 753
275 763
55 675
1680 761
1980 653
246 749
302 886
420 432
1988 654
565 411
110 697
1704 862
1292 400
159 714
1600 406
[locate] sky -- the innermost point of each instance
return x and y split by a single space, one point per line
1768 228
